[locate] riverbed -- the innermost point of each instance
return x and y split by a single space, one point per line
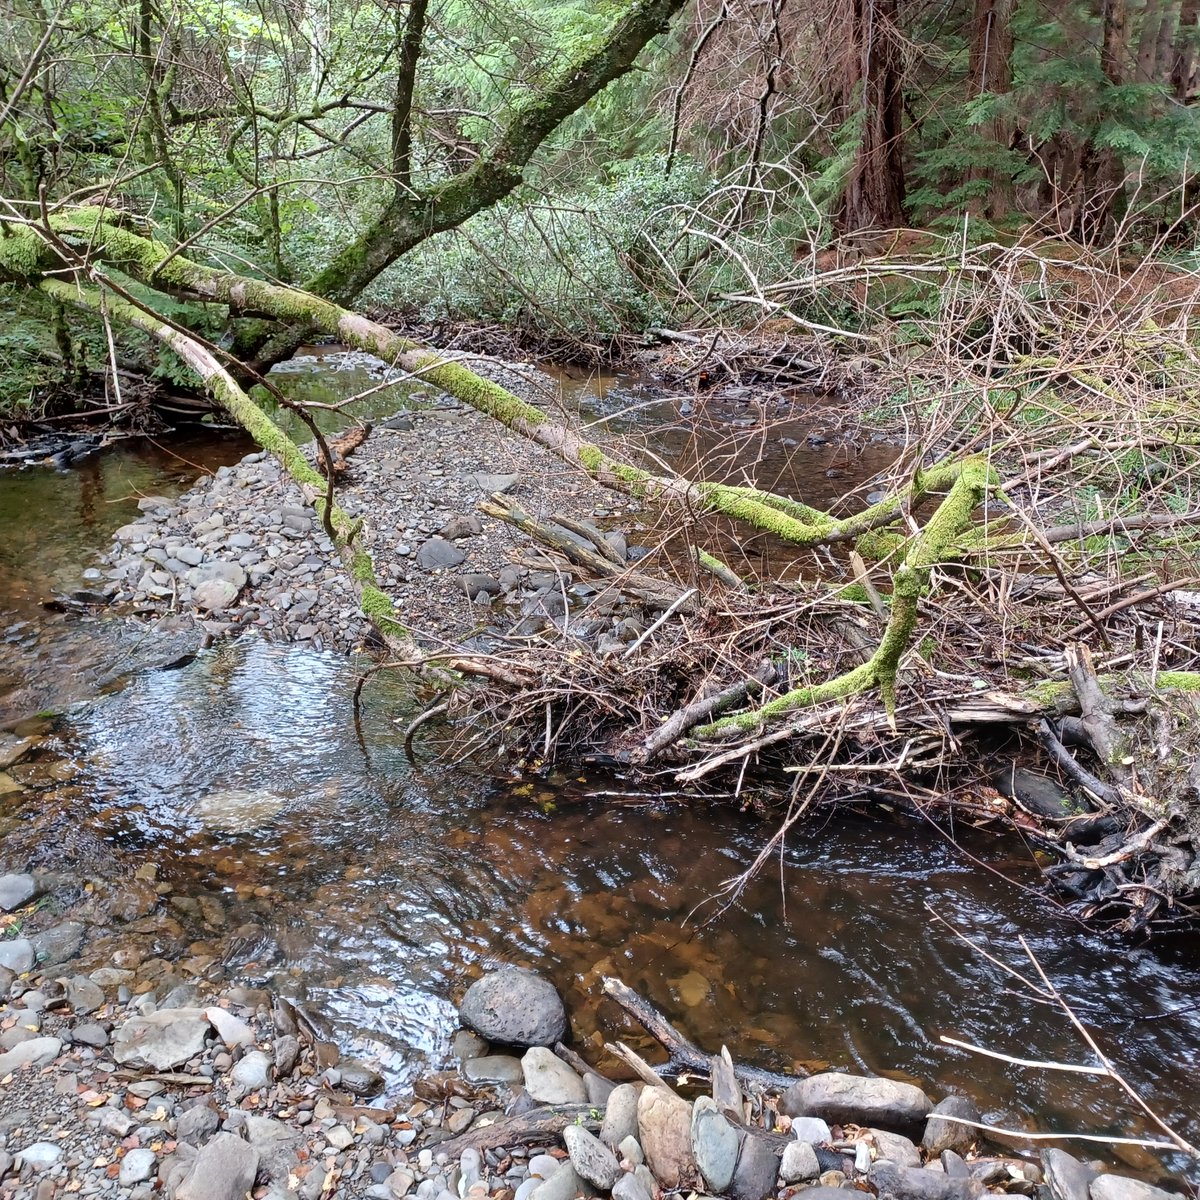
304 851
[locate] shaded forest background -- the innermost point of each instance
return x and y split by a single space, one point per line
426 158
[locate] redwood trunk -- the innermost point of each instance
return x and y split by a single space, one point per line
874 196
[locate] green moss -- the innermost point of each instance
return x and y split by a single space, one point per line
362 568
878 545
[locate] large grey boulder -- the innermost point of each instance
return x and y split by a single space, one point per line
58 943
857 1099
36 1051
17 890
665 1133
514 1006
224 1170
757 1169
917 1183
17 955
620 1115
799 1162
162 1040
549 1079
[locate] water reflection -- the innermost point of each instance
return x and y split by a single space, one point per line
381 892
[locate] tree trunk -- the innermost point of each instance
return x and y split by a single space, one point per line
874 82
1185 59
1102 174
990 74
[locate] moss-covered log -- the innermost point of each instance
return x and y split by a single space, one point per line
24 255
911 581
376 605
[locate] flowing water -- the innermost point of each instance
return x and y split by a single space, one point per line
305 851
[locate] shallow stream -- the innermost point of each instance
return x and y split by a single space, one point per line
303 850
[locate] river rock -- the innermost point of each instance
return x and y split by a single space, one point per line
1121 1187
591 1158
17 890
223 1170
238 810
812 1130
233 1031
17 955
162 1040
665 1133
84 995
41 1156
488 483
549 1079
857 1099
757 1169
895 1147
620 1116
89 1033
515 1006
197 1124
276 1144
1066 1177
136 1167
287 1054
917 1183
495 1068
58 943
438 554
950 1135
359 1079
799 1162
630 1187
564 1184
37 1051
12 749
714 1143
253 1071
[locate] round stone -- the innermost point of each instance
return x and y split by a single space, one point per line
514 1006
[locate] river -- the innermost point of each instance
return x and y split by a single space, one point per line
379 889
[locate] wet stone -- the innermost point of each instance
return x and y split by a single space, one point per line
857 1099
950 1135
620 1115
496 1068
714 1143
439 554
549 1079
59 943
17 954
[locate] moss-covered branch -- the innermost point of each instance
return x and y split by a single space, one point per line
376 605
932 545
23 254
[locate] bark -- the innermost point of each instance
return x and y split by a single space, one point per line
410 33
1102 174
990 74
874 196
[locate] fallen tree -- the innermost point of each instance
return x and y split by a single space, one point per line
802 678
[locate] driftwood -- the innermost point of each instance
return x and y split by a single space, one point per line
566 536
685 1057
536 1125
